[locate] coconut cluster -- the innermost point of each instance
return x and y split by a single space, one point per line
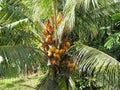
53 50
71 65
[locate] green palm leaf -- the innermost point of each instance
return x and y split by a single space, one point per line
10 12
19 57
94 63
14 24
85 10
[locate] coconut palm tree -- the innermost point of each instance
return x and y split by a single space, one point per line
88 60
66 59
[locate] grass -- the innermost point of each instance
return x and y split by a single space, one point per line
19 83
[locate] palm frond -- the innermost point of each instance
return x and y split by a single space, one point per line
86 31
19 57
112 40
10 12
102 8
19 32
72 84
94 63
11 25
87 10
88 5
41 9
69 12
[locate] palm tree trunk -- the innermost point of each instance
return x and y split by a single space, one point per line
54 81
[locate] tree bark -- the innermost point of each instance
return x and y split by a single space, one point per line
53 81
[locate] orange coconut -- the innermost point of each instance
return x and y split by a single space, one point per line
58 56
62 51
57 51
67 44
52 49
49 39
68 64
64 40
65 48
50 30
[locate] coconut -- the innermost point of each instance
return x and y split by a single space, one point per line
67 44
49 39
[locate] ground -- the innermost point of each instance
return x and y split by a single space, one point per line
19 83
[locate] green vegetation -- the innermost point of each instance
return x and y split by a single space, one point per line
19 83
76 41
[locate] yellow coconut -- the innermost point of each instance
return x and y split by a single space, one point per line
49 53
55 55
52 49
